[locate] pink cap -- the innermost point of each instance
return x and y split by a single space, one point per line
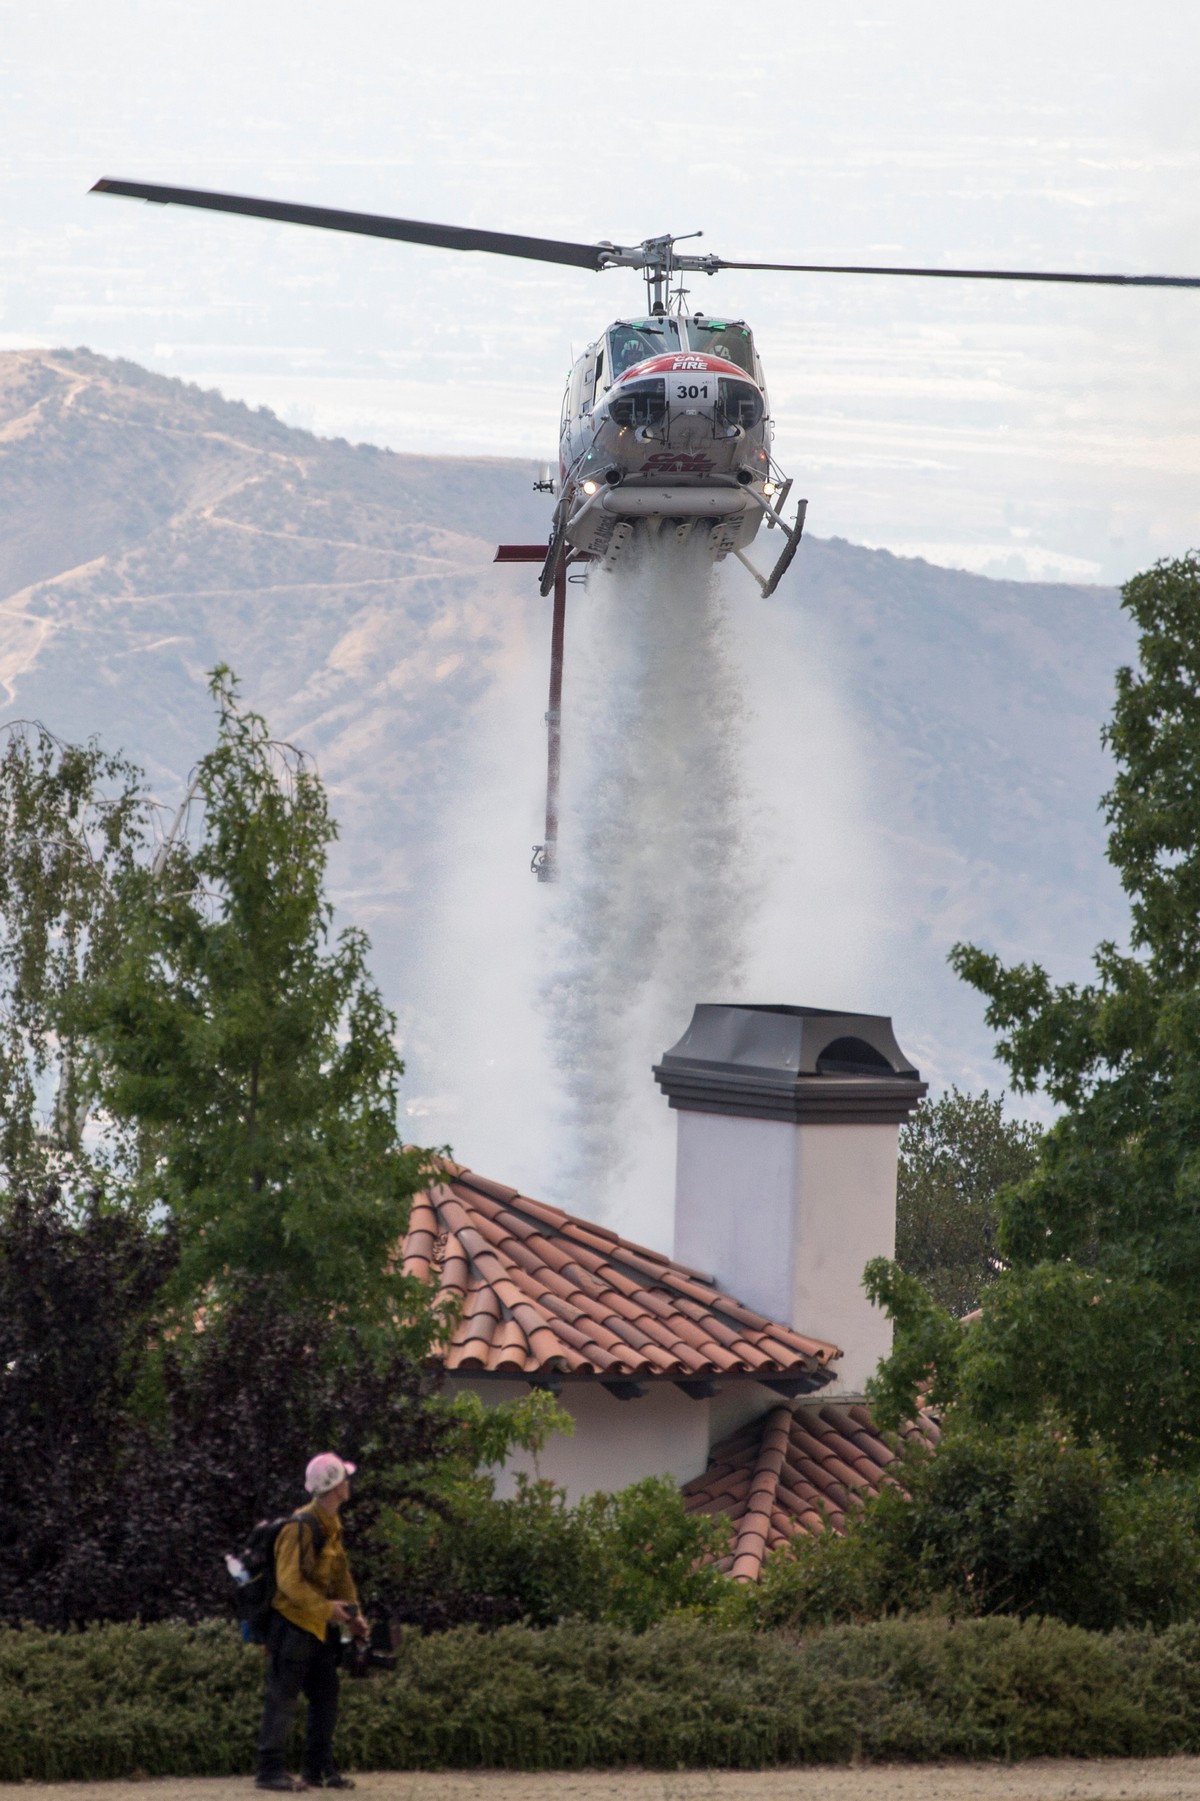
325 1472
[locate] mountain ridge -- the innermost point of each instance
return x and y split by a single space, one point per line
922 745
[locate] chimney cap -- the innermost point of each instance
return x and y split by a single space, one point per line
809 1065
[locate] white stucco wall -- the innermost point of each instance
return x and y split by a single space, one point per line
846 1214
619 1442
785 1217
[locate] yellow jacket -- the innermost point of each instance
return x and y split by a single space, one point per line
305 1585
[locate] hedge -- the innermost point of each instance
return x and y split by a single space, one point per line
175 1700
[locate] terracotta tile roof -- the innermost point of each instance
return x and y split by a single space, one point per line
543 1294
797 1469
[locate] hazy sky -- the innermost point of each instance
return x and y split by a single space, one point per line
1015 430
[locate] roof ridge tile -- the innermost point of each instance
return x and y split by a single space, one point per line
588 1230
483 1185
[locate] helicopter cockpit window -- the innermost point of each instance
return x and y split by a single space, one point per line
633 343
720 337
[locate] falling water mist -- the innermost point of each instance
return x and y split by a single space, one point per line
650 915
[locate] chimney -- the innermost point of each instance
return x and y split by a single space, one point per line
785 1173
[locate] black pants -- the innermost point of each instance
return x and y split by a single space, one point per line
298 1663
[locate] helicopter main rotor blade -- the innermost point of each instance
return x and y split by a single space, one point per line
578 256
368 225
1110 281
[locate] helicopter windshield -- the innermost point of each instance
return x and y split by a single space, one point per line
725 338
633 343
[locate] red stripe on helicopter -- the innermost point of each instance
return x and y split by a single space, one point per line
685 362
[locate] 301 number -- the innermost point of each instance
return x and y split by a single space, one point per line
691 390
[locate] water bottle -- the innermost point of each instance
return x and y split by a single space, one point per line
241 1576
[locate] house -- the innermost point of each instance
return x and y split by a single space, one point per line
737 1365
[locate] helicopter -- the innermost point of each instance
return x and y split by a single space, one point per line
665 430
666 427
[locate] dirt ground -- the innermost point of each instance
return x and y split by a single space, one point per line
1045 1779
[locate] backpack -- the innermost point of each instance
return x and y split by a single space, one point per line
253 1572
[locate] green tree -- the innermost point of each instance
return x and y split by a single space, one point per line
202 1188
1119 1183
73 822
1097 1312
244 1056
956 1153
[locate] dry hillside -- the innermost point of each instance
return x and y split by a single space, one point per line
924 743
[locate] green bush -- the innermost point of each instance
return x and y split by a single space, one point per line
655 1556
1028 1523
119 1701
629 1558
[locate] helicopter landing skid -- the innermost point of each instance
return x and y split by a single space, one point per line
793 534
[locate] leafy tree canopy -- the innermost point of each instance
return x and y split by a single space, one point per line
1097 1313
183 1031
1119 1183
246 1055
956 1154
73 823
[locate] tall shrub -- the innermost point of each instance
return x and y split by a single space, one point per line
1026 1522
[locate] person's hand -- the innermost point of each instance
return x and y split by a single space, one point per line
343 1613
360 1627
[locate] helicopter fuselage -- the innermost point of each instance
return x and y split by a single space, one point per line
666 426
